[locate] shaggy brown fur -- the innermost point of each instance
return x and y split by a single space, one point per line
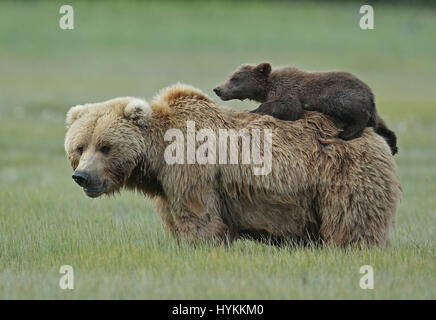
286 92
342 193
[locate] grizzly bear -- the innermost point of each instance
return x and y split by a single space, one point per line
286 92
344 193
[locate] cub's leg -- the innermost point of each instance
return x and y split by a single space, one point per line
285 108
354 125
347 105
387 134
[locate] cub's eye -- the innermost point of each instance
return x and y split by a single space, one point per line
80 150
105 149
234 79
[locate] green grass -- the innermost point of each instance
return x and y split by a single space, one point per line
117 245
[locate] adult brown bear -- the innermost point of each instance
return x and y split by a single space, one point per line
341 193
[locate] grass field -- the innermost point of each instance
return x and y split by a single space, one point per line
117 245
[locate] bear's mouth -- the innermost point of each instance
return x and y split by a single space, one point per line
94 192
224 98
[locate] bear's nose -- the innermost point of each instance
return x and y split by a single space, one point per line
81 178
217 90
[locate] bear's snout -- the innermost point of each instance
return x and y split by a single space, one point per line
93 186
222 93
81 178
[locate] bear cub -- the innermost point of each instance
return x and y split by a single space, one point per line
285 92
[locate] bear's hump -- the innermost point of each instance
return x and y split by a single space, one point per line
177 93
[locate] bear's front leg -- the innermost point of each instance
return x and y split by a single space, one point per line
197 223
286 108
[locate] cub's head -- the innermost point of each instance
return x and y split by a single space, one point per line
246 82
104 143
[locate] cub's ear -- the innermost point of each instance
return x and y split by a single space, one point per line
263 68
137 111
73 114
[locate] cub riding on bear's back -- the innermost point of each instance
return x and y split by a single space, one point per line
286 92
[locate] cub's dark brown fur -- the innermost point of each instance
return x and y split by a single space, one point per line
286 92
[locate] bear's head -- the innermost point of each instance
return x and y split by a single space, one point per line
104 143
246 82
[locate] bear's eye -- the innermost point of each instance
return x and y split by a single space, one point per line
80 150
234 79
105 149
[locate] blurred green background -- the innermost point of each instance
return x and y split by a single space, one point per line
117 245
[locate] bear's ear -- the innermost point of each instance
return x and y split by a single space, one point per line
263 68
137 111
73 114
